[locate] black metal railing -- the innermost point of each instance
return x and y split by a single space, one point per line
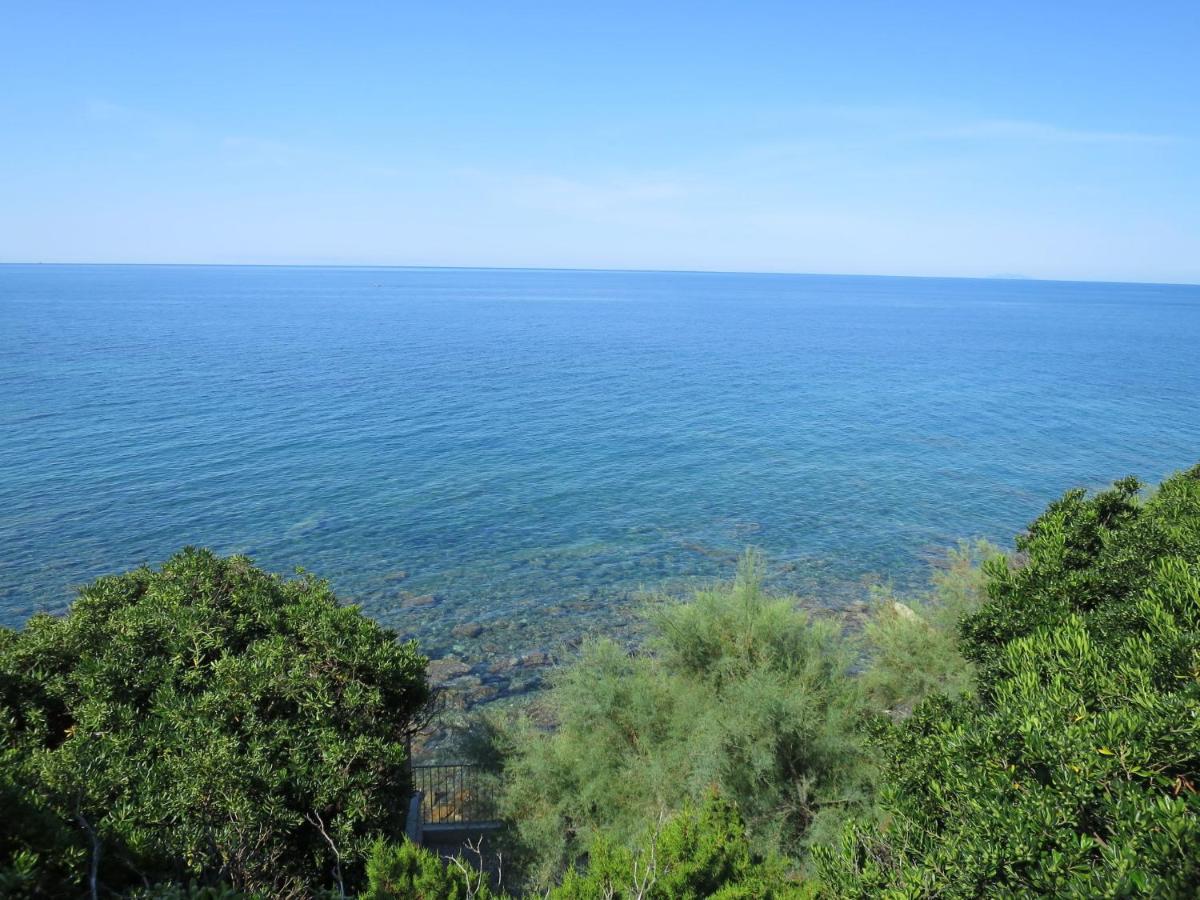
454 794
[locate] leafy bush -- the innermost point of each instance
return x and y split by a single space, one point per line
735 690
40 855
405 871
1074 771
205 722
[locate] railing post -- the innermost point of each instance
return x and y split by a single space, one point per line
413 826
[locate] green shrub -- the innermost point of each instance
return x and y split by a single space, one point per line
405 871
206 722
911 643
700 852
1074 771
40 855
736 690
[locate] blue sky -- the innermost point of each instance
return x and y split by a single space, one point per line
1056 140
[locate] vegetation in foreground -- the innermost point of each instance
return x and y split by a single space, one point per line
205 723
1032 726
1073 770
734 691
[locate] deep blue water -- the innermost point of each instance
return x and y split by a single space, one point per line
530 446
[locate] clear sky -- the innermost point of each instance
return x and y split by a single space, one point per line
1050 139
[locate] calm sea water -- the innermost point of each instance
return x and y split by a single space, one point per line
529 447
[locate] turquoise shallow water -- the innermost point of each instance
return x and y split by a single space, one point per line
529 447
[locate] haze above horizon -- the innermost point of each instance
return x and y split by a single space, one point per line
937 139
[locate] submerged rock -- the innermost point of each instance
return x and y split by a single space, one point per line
446 668
481 693
711 552
501 666
534 660
417 601
467 630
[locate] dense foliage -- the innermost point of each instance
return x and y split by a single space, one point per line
701 851
1074 771
204 723
735 690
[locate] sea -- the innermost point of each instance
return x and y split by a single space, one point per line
498 462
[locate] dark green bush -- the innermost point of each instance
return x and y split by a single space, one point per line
1074 772
207 723
40 854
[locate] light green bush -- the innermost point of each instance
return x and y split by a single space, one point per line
700 852
911 643
735 690
404 871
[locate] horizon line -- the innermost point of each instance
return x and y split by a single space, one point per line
595 269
